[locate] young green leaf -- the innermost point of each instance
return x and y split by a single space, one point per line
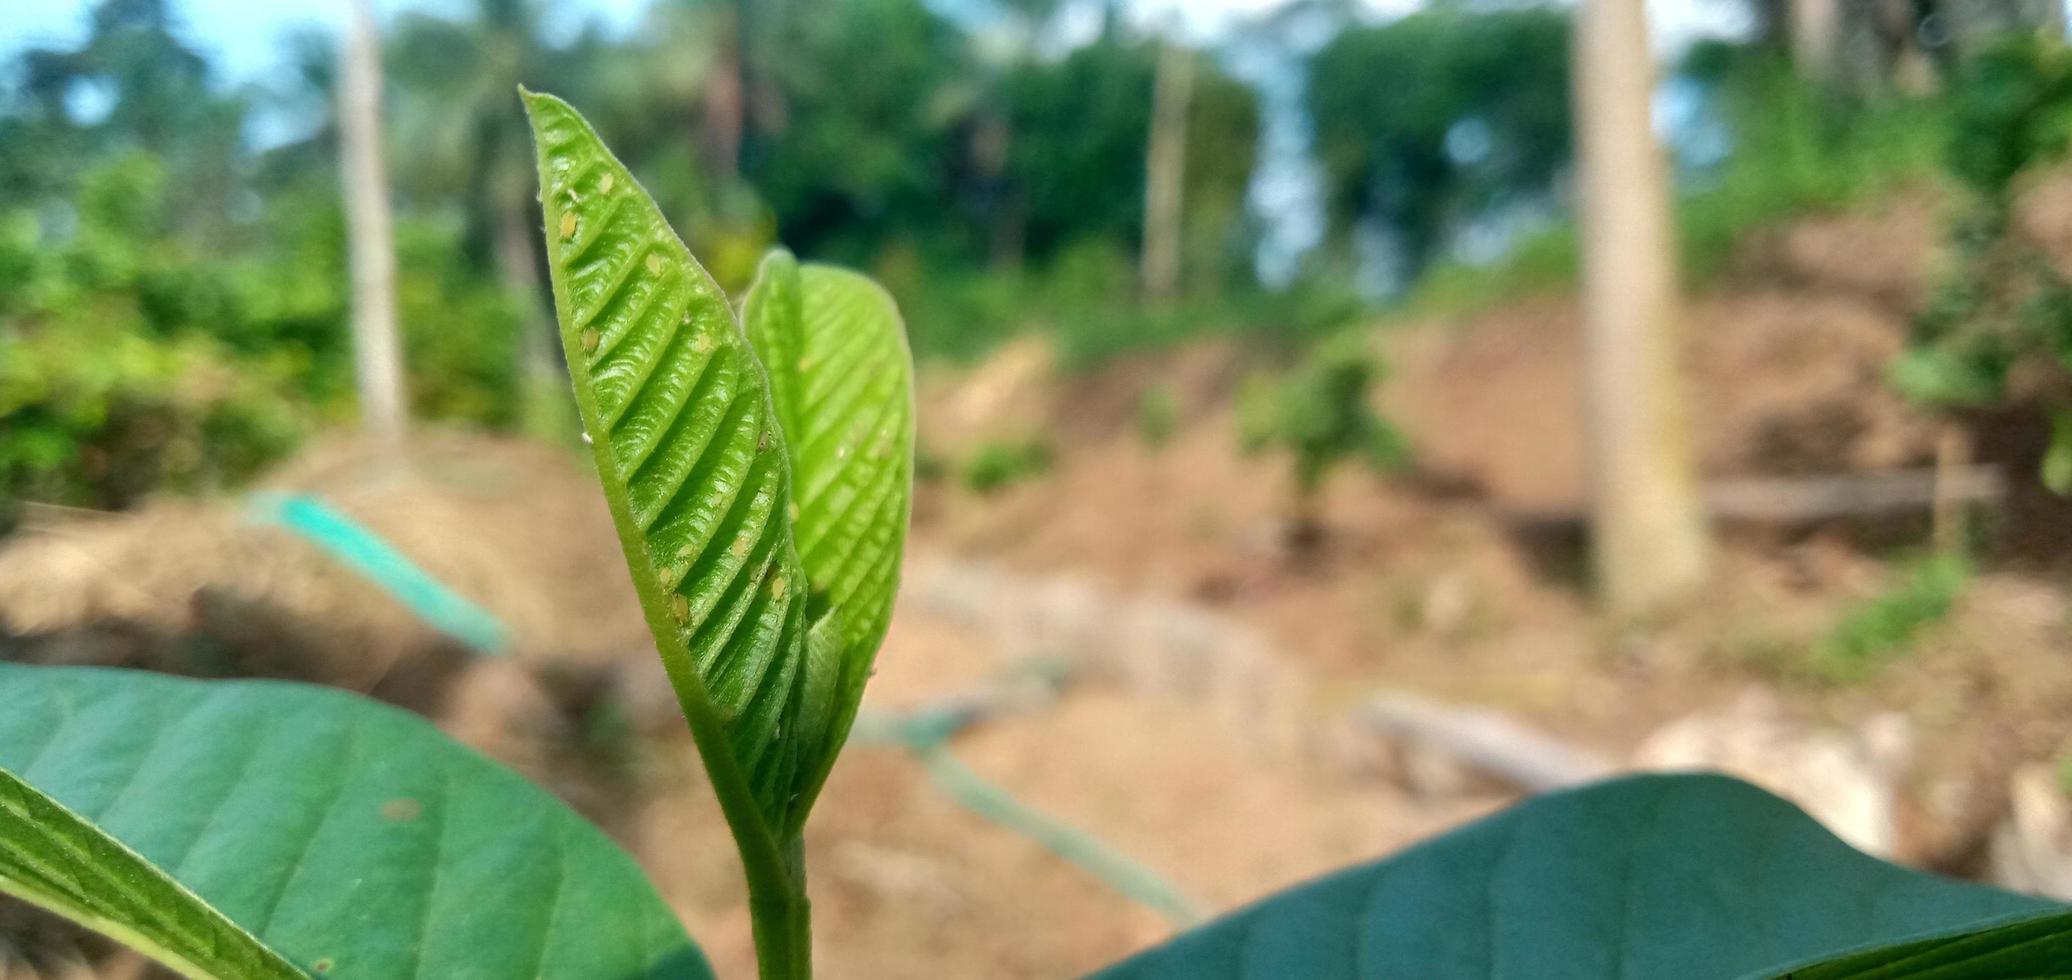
1653 876
842 382
349 836
697 476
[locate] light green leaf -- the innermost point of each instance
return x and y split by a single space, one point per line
2057 456
351 837
841 378
695 470
52 857
1685 876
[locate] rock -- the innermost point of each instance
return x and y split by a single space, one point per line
2031 850
1846 780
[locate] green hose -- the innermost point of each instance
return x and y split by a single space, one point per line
367 553
926 734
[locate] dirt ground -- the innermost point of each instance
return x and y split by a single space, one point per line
1462 583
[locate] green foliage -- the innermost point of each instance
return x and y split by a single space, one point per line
1001 463
127 362
351 837
1798 148
1320 414
1429 121
2003 302
172 304
1651 876
1875 631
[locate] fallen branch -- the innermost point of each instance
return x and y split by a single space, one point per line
1482 740
1786 500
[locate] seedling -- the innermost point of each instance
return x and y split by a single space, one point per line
757 470
1320 415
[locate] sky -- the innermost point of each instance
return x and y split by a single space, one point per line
244 36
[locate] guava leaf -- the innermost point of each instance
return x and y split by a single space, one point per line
2030 946
1686 876
53 857
841 378
351 837
694 467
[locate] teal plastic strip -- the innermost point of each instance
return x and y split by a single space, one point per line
926 735
367 553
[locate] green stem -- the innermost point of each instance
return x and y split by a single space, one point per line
782 917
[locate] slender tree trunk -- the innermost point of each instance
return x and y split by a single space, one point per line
377 358
1648 529
725 103
1165 172
543 410
1816 34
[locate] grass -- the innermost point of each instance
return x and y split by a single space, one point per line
1884 628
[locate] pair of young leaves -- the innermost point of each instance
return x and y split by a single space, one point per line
759 471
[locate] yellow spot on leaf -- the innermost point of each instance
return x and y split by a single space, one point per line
792 510
679 608
568 225
777 586
654 264
605 186
702 343
590 340
401 810
740 547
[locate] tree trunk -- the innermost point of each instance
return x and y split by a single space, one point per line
1648 530
377 358
1816 28
724 104
1165 172
543 411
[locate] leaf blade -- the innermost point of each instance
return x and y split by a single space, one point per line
841 379
692 458
337 831
1685 876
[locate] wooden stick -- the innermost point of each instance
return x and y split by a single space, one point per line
1484 741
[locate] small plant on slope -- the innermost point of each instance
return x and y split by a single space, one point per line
1319 414
757 469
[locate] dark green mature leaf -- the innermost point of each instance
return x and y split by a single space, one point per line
1652 876
694 467
53 857
842 381
2029 947
350 836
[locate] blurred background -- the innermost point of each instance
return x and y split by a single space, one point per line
1338 418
